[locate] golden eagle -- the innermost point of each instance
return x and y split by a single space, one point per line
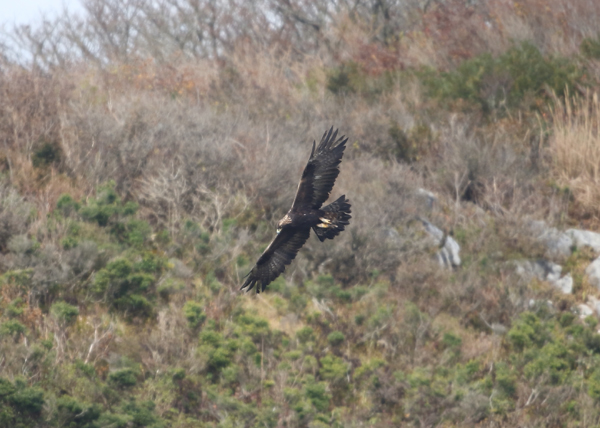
306 213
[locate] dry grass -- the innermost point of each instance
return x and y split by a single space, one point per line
575 149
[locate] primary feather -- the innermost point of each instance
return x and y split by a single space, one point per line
321 171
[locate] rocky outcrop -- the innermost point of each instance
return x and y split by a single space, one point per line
544 270
593 273
449 253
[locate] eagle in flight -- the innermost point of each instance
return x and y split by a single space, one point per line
307 212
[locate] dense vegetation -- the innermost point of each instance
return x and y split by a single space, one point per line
148 149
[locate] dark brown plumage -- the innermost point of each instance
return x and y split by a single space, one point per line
307 212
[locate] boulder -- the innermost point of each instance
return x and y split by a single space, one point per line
545 271
593 273
585 238
557 243
449 252
584 310
565 284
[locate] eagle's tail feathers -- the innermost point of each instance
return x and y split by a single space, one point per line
336 216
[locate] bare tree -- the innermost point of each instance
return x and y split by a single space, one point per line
119 30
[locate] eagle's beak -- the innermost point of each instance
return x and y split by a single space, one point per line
278 230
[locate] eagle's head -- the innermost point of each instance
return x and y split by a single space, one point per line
286 220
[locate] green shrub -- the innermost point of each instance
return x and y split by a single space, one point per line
230 375
211 338
27 401
325 287
345 79
69 242
178 374
553 360
46 154
527 331
12 328
521 74
194 313
336 338
594 385
7 416
566 319
103 207
350 78
142 415
590 47
467 372
218 351
368 367
151 263
70 413
506 380
255 327
137 232
297 302
203 244
419 377
451 341
316 392
123 378
134 306
359 319
66 205
126 288
170 287
106 209
218 359
15 308
305 334
115 420
380 317
333 369
64 313
248 347
108 278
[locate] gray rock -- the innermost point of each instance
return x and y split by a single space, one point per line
498 328
584 310
565 284
594 303
585 238
560 243
428 197
540 269
449 253
557 243
545 271
593 273
433 231
548 303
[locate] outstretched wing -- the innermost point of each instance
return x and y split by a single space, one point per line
276 257
320 172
